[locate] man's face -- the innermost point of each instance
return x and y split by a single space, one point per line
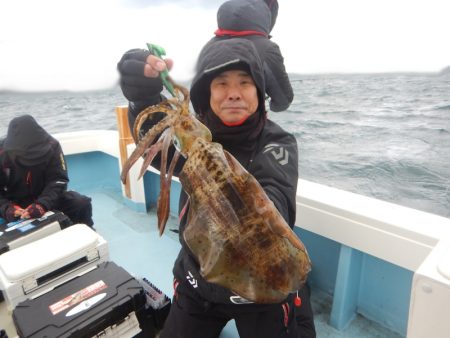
234 96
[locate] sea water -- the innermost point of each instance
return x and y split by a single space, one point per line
381 135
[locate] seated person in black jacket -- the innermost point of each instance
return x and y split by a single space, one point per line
227 95
254 20
33 175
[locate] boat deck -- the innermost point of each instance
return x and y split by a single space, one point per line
134 243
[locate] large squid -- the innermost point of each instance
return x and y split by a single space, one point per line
238 237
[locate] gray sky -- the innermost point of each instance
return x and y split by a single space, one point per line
76 44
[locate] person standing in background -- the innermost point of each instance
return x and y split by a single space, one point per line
254 20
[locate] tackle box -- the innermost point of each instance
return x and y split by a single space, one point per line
40 266
105 302
157 304
18 233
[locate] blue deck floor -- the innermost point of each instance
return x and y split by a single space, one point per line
134 243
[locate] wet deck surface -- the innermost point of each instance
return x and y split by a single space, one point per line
134 243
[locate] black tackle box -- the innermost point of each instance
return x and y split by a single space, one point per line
106 301
18 233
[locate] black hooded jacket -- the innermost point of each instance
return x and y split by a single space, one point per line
33 168
253 20
268 152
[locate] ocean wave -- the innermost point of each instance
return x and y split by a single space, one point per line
445 107
70 108
353 131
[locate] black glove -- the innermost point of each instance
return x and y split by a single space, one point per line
12 213
135 86
34 210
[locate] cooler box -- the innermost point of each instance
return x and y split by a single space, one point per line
40 266
105 302
18 233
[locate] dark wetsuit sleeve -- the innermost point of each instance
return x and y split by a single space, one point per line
276 169
278 85
56 180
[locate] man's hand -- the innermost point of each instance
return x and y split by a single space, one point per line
139 74
13 212
34 210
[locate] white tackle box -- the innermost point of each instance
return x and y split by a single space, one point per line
38 267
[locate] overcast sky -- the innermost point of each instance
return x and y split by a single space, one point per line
76 44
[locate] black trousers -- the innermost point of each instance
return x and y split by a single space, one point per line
304 314
193 317
77 207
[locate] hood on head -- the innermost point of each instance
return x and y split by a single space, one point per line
220 56
273 7
26 141
244 15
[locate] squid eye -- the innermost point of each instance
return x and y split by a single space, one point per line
177 143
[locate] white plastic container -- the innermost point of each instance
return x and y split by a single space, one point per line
38 267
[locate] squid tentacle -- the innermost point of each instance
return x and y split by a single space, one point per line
180 89
185 101
152 152
144 115
173 108
163 200
146 141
